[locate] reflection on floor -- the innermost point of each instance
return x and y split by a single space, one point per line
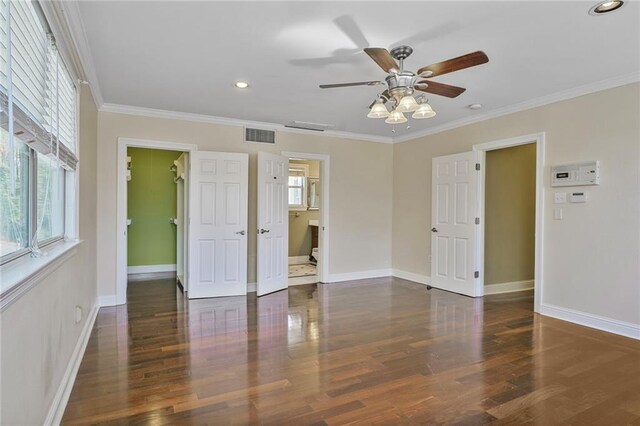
377 351
302 270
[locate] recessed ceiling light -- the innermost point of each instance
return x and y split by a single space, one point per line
242 84
605 7
474 106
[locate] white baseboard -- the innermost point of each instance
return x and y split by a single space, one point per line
150 269
509 287
360 275
297 260
311 279
107 301
60 399
610 325
252 287
151 276
410 276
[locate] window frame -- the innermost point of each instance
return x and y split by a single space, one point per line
305 169
70 179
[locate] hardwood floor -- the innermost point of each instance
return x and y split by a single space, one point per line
383 351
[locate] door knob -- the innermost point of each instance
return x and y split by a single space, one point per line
262 231
240 232
434 230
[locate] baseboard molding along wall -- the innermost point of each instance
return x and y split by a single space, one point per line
410 276
104 301
610 325
150 269
60 399
360 275
509 287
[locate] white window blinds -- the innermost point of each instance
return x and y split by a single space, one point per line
36 83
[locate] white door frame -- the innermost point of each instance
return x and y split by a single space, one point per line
325 184
481 149
121 203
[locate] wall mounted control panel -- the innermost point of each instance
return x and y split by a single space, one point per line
577 174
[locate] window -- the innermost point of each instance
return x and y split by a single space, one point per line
298 186
38 107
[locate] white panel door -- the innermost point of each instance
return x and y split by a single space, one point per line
454 188
273 223
218 194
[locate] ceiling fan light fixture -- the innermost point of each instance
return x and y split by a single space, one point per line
423 111
378 110
407 104
396 117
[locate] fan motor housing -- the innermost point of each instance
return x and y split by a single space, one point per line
401 84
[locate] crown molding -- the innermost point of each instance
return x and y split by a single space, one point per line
65 18
533 103
211 119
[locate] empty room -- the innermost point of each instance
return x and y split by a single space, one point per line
319 213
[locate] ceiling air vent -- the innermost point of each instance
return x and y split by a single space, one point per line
259 135
317 127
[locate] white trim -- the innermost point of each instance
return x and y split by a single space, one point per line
121 203
150 269
324 230
104 301
539 140
311 279
509 287
410 276
298 260
69 27
521 106
252 287
202 118
360 275
60 399
610 325
152 276
21 275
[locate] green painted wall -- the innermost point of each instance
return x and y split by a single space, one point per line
151 202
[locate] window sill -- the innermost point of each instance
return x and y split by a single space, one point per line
297 209
21 275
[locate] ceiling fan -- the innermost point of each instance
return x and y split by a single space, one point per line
401 84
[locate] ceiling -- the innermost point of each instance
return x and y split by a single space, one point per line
185 56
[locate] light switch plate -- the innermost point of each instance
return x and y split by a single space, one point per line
557 213
560 197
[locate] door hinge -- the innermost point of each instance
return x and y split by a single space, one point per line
477 166
476 274
477 221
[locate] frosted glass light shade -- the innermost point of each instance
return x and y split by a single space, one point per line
396 117
423 111
378 110
407 104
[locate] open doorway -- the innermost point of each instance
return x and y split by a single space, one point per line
155 214
304 195
510 217
150 234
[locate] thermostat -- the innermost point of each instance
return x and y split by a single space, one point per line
578 174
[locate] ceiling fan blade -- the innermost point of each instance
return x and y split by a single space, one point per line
455 64
383 58
440 89
384 96
358 83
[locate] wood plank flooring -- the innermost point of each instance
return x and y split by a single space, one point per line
383 351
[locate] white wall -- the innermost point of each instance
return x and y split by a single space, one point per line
591 258
361 188
39 333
